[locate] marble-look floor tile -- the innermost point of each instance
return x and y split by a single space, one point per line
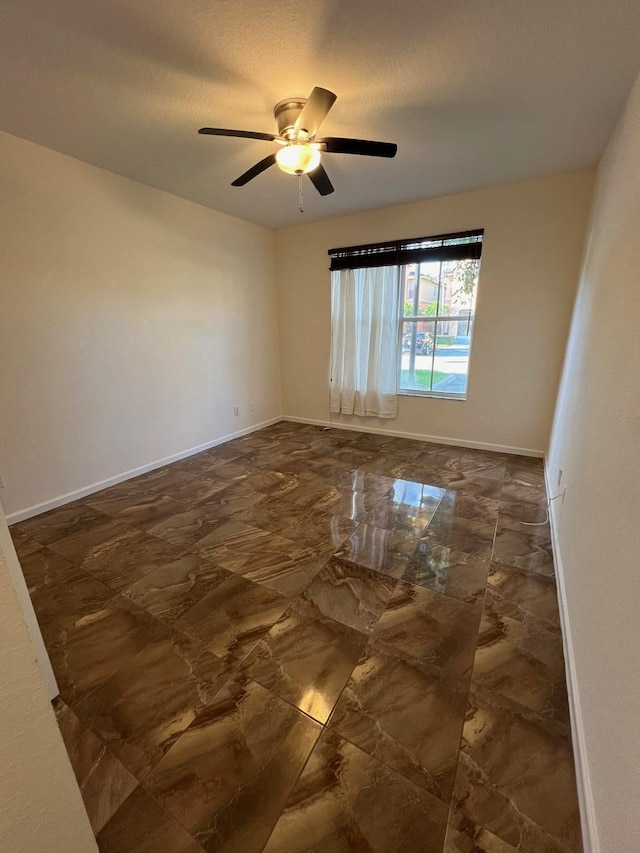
231 534
308 528
409 447
289 577
22 542
523 663
284 429
227 778
233 617
461 534
350 594
462 463
524 551
514 490
464 836
372 441
141 826
138 509
433 476
234 473
272 515
187 528
484 487
228 451
347 802
525 596
268 457
147 704
379 549
75 518
250 551
517 515
524 473
104 782
415 494
196 489
353 457
43 568
312 601
276 484
432 628
73 599
360 481
151 484
82 544
122 561
306 658
464 505
407 714
387 464
306 469
348 504
516 776
448 572
232 500
97 643
399 517
173 588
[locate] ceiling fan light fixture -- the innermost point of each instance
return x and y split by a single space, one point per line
298 158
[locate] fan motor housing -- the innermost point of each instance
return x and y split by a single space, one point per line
286 113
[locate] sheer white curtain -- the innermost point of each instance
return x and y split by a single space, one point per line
365 315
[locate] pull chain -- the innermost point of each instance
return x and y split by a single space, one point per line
300 193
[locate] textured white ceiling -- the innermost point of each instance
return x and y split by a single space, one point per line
475 92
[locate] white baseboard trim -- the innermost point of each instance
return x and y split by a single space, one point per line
435 439
45 506
583 781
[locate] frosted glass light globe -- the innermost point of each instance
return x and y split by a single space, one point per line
298 158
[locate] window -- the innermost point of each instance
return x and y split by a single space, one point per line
438 281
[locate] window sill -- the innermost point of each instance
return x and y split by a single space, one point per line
436 395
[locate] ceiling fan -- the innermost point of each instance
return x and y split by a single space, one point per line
299 120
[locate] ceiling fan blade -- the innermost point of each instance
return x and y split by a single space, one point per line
245 134
320 180
315 111
254 171
366 147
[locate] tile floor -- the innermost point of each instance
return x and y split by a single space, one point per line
309 640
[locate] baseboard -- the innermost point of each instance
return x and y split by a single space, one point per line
583 781
435 439
38 509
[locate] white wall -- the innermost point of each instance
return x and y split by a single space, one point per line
14 571
534 234
596 441
41 810
131 322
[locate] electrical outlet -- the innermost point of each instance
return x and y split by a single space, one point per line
560 475
236 411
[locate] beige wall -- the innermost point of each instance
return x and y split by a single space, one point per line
131 323
534 234
41 810
596 441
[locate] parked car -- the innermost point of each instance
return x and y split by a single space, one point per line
424 343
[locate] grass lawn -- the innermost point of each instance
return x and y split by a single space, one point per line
423 378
